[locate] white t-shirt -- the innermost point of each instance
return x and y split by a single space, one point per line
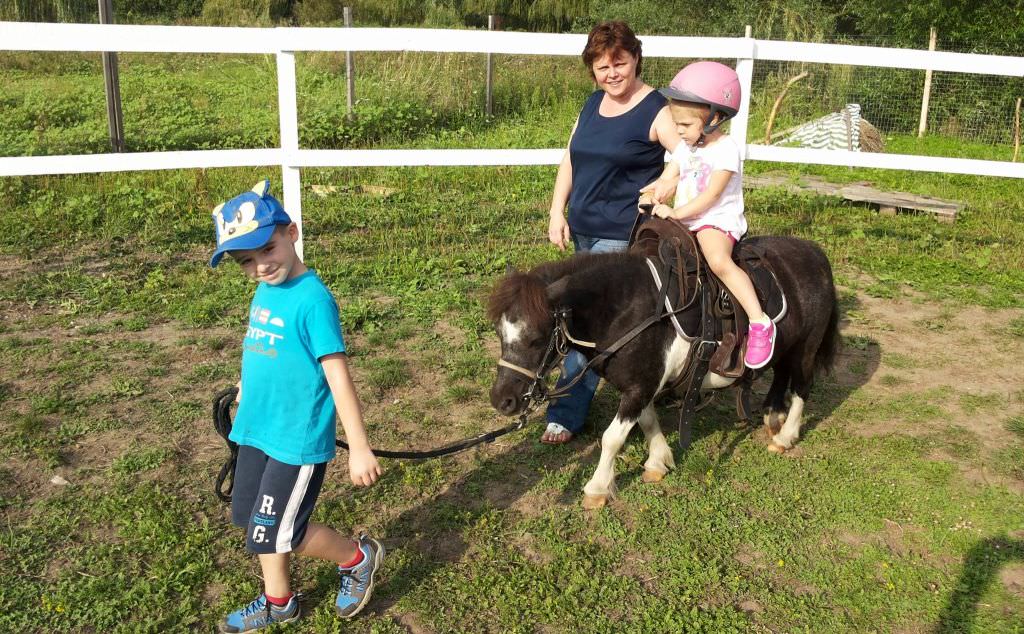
695 168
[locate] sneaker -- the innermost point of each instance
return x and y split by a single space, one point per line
357 582
260 614
760 345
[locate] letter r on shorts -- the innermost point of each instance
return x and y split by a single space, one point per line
267 506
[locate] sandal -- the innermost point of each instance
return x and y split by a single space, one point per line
556 434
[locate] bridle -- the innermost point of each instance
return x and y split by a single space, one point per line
694 367
537 392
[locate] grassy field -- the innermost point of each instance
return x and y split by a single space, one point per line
901 510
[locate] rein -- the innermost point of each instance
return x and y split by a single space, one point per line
558 347
222 423
695 366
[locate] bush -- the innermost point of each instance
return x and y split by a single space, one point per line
318 12
390 121
245 12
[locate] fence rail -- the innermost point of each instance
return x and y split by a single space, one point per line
285 42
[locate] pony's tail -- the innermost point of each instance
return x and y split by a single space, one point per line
825 357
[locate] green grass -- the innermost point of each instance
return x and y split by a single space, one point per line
116 335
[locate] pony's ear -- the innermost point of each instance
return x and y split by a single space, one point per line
556 290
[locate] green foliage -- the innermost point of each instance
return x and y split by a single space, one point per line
371 123
319 13
49 11
132 11
962 25
244 12
137 461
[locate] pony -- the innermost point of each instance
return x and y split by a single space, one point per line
589 301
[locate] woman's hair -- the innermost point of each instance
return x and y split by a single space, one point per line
610 37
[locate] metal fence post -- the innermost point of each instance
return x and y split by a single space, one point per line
289 115
350 78
490 73
922 126
112 84
745 71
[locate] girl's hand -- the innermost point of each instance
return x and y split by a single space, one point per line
662 211
558 231
363 467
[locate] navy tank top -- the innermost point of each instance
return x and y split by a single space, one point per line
612 158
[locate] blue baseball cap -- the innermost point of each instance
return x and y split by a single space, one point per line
247 221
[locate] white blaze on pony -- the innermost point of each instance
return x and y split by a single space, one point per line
590 301
510 332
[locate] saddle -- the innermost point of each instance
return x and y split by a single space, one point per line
673 250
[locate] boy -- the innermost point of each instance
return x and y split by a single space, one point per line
294 374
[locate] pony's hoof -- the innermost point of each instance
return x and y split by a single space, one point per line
774 448
594 502
650 475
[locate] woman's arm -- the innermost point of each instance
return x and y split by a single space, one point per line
558 227
663 131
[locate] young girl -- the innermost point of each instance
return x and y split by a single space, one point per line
709 199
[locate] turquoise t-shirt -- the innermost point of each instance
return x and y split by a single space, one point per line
287 410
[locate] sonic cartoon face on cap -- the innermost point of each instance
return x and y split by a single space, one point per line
247 221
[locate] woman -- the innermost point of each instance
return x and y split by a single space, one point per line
616 148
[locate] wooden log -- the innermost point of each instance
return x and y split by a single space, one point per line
778 102
887 203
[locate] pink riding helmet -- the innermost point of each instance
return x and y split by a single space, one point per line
709 83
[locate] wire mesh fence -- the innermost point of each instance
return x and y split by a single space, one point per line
956 114
49 11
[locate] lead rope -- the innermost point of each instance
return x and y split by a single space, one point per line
225 480
222 423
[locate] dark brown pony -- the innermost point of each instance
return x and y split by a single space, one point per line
608 294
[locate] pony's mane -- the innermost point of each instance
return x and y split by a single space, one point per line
552 271
528 291
525 290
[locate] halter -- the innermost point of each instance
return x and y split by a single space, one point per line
558 347
537 393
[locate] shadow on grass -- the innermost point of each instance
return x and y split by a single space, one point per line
430 535
856 362
981 567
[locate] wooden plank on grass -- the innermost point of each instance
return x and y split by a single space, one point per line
888 203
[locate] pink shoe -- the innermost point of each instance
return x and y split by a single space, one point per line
760 345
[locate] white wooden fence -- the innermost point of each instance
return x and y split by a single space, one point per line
284 42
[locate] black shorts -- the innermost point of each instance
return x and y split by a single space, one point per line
273 500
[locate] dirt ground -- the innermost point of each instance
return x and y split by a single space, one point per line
968 353
899 346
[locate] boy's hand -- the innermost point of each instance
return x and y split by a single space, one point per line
363 467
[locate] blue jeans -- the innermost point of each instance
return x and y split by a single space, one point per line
571 410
